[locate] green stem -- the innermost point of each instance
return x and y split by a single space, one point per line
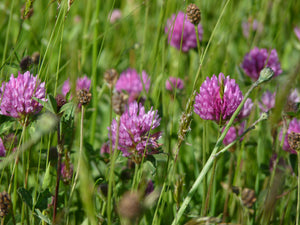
111 175
7 34
94 75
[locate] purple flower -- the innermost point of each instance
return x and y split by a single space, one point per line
253 25
83 83
233 133
257 59
66 172
149 188
179 26
134 131
130 81
2 148
294 126
174 83
247 107
208 102
105 148
297 32
115 15
66 87
294 96
16 95
267 101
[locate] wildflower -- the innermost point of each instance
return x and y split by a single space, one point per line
105 148
267 101
115 15
60 101
294 126
83 83
131 82
179 26
245 111
251 25
297 32
257 59
174 83
210 105
16 95
2 148
134 131
66 172
233 133
292 101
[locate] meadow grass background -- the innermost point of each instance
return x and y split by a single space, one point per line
80 40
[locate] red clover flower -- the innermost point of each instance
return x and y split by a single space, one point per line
174 83
2 148
16 95
131 82
134 131
179 26
294 126
257 59
83 83
210 105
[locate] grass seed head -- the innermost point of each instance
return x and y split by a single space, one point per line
193 14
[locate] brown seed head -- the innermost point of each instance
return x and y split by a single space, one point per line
60 101
35 58
25 63
5 203
84 97
248 197
130 206
26 14
193 14
111 76
119 101
294 141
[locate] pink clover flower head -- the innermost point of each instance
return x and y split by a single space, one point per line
294 96
115 15
233 133
2 148
267 101
66 87
131 82
16 95
294 126
66 172
257 59
83 83
208 102
179 26
246 110
174 83
253 25
135 136
105 148
297 32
